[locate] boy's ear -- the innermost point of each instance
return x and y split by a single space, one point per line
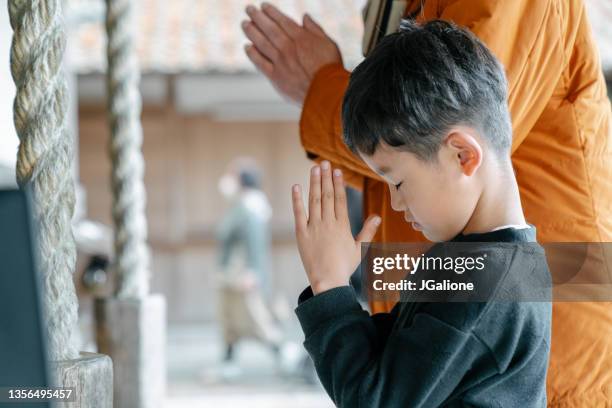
466 150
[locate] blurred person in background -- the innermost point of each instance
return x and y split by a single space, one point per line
244 239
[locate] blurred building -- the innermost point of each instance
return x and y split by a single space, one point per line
203 105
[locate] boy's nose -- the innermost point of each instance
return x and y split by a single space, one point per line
396 201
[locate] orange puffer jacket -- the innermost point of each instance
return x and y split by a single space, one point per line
562 155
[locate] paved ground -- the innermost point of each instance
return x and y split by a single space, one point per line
195 374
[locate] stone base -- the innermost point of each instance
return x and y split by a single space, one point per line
92 377
133 333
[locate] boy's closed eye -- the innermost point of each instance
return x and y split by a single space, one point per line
398 185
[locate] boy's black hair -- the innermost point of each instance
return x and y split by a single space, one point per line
418 83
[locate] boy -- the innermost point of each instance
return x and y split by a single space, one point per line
427 111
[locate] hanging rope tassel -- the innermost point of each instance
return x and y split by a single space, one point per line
131 252
44 159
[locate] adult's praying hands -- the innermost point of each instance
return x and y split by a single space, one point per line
287 53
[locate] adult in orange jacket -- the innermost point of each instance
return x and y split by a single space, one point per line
561 151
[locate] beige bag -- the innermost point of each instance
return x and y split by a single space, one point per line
243 313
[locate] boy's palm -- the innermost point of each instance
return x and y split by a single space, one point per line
328 250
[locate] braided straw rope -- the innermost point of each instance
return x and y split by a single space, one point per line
132 255
44 159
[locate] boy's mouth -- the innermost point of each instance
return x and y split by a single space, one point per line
415 225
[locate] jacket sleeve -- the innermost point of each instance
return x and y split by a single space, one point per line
361 365
527 37
321 125
226 235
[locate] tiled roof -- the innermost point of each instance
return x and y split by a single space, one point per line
200 35
205 36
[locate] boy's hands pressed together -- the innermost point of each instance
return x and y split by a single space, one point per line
328 250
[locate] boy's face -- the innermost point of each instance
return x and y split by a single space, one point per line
437 197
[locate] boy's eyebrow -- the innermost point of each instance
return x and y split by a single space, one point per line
382 170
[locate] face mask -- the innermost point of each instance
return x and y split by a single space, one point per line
228 186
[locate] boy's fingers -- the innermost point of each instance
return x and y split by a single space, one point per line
369 229
314 197
339 196
298 209
327 192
